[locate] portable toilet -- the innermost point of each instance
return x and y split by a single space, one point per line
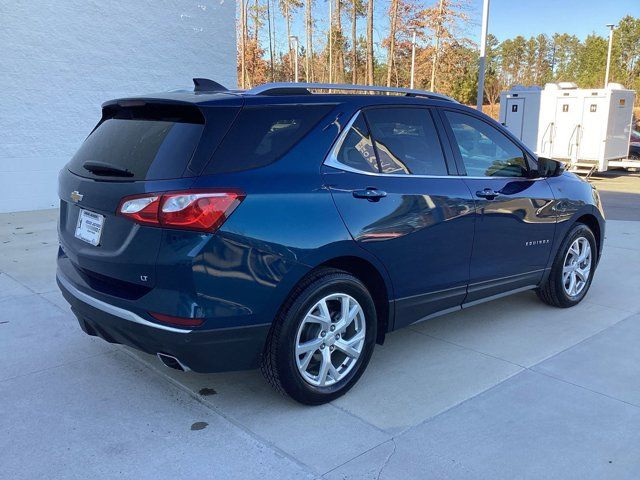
590 127
562 119
529 112
519 112
605 126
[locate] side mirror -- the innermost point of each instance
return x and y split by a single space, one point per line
548 167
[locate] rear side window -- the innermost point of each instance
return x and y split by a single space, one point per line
140 143
406 141
485 151
357 151
261 135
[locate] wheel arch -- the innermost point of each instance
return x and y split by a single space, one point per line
358 263
368 274
593 223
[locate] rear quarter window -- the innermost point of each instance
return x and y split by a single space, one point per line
261 135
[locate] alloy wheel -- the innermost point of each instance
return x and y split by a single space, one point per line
576 267
330 339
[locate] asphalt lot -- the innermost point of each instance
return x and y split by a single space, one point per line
620 192
509 389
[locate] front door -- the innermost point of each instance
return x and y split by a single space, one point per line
515 223
392 187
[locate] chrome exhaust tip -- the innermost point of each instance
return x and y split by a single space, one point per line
172 362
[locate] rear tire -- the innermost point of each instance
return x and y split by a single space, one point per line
572 270
314 352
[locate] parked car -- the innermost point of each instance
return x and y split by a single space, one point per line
634 145
275 227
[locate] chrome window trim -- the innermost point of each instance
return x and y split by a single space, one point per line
112 309
331 160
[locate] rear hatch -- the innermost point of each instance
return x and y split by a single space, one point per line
137 147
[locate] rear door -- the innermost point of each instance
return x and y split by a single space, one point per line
133 150
515 221
389 175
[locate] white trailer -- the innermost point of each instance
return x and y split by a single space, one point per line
588 128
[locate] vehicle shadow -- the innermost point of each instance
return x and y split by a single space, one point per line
420 371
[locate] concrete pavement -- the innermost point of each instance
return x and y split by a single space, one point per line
507 389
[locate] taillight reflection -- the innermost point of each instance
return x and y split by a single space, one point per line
179 321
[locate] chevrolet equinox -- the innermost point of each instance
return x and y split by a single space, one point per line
291 226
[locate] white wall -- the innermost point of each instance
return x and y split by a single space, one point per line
60 59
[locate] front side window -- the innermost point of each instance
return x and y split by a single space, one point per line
406 141
485 151
357 151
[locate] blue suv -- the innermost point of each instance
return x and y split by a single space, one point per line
291 229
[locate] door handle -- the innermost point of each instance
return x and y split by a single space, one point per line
487 193
370 193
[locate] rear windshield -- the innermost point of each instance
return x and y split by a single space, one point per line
261 135
139 144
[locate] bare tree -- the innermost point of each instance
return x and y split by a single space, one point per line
393 11
271 62
309 33
243 44
354 42
256 29
436 48
288 7
337 40
370 42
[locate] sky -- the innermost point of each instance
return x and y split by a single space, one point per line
509 18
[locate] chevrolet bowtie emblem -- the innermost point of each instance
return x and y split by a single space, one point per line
76 196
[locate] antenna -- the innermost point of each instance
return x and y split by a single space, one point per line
206 85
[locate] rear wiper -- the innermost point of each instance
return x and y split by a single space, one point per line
99 168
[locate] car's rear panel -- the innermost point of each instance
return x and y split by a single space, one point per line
127 252
232 279
137 147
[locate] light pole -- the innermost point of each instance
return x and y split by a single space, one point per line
606 75
413 56
483 53
295 59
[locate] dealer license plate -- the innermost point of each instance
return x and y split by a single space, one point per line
89 227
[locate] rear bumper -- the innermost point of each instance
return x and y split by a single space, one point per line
205 351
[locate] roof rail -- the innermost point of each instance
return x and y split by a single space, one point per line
206 85
292 88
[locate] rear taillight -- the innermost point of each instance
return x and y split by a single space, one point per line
192 210
142 209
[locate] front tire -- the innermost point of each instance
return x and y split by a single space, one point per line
322 339
572 270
